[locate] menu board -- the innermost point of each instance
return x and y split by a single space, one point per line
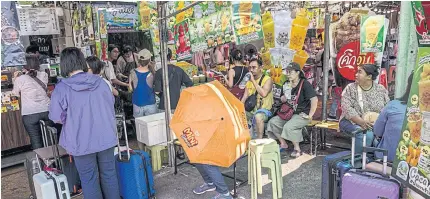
38 21
247 21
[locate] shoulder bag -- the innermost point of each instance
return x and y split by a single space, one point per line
251 102
286 111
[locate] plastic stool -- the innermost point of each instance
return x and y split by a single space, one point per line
264 150
156 152
275 174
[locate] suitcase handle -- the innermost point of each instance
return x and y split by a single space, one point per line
121 117
354 133
373 150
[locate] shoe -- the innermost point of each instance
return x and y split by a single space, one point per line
223 196
331 118
204 188
296 154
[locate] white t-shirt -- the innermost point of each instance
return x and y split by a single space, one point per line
109 71
108 83
33 97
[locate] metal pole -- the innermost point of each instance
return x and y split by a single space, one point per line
162 26
407 48
326 61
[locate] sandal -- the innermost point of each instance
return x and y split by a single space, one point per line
283 148
296 154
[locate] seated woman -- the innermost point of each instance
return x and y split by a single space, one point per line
389 124
359 99
305 109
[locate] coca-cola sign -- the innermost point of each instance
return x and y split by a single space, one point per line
348 59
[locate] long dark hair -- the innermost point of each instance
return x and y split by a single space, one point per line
32 65
405 97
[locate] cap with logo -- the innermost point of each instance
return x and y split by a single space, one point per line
144 54
294 66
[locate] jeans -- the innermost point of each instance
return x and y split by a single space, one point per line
98 175
347 127
211 174
335 101
140 111
32 126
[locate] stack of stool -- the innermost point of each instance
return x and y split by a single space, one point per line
159 155
264 153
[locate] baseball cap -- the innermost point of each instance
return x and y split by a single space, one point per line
293 66
144 54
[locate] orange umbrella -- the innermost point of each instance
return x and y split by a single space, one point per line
211 125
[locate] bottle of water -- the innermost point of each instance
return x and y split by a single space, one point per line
245 79
35 166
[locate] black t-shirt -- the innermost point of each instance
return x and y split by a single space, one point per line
304 102
237 74
177 78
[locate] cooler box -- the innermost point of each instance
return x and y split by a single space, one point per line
151 130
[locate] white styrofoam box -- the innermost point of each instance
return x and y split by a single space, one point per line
151 130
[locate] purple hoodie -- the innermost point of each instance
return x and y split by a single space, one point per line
84 104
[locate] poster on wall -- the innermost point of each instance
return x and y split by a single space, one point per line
372 33
9 102
182 40
147 14
247 21
83 30
12 50
182 16
102 45
122 19
412 162
38 21
421 16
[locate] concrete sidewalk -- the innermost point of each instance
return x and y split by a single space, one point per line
301 178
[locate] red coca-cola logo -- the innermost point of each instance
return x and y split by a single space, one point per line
348 59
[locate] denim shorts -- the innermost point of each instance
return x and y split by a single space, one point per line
140 111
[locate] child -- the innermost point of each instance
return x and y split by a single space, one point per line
95 66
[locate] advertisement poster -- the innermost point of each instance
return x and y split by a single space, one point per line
182 16
83 31
147 14
421 16
182 40
103 44
349 58
299 29
211 31
412 163
207 8
372 33
247 21
268 30
9 102
122 19
280 58
12 50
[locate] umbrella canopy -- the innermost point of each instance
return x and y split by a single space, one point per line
211 125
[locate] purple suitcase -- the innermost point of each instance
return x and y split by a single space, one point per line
362 184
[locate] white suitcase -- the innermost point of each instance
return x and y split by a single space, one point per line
49 185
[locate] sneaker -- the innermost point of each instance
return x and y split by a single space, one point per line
204 188
223 196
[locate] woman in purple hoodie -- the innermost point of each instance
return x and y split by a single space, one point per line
84 104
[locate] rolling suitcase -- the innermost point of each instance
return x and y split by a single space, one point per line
336 165
32 168
134 171
50 185
359 183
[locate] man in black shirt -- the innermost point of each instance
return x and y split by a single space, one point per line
177 78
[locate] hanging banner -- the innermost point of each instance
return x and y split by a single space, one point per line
247 21
280 58
38 21
12 50
147 13
421 17
179 5
103 44
412 163
372 33
268 30
198 35
349 58
298 32
182 40
122 19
